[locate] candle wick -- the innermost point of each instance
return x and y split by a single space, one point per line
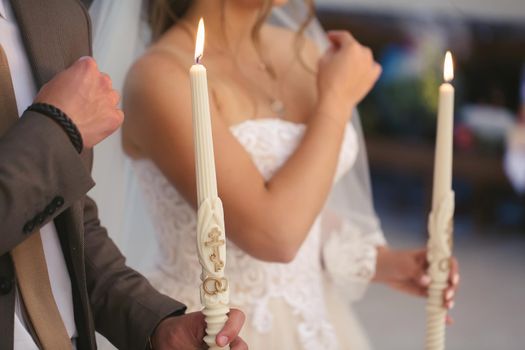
198 59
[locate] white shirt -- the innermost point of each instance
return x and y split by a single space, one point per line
25 91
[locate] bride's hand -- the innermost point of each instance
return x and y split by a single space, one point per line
406 270
347 73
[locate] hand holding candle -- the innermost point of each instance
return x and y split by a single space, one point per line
440 223
211 240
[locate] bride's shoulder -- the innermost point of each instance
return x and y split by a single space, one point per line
161 61
287 42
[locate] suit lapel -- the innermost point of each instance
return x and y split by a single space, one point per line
36 21
52 34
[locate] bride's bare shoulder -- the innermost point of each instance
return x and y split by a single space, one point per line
164 60
148 92
286 42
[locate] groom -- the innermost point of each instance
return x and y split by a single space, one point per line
61 277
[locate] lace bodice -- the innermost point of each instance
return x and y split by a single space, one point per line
253 283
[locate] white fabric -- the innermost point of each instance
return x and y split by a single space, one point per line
119 38
25 91
256 285
22 339
2 10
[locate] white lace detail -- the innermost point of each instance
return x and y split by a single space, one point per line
349 256
253 283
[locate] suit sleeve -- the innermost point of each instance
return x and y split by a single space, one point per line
41 174
126 307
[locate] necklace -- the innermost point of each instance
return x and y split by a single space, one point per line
275 103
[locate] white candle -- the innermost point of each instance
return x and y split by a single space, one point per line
203 140
444 137
440 223
211 234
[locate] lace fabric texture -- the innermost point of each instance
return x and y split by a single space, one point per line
334 250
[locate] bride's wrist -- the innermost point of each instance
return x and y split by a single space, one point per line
383 265
329 109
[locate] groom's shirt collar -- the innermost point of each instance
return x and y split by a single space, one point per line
3 14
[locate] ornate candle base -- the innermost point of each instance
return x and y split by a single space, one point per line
215 320
436 314
211 244
440 227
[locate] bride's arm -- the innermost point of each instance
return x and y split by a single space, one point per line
267 219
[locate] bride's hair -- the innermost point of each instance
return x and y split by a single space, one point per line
163 14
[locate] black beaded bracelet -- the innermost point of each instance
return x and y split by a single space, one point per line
63 120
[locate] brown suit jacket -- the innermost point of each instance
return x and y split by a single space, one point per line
43 178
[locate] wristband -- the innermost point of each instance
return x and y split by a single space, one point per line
63 120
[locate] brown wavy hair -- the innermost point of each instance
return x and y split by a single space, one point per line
163 14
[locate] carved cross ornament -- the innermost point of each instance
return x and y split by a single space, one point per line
215 243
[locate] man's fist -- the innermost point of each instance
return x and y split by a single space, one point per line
87 97
187 332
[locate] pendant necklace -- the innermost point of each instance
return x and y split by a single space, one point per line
276 104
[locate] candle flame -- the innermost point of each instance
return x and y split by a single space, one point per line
199 45
448 71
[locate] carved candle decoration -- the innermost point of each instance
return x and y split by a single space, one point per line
211 240
440 224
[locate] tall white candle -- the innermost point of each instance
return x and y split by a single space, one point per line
211 234
444 137
203 140
440 223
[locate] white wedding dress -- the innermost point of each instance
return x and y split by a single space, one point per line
304 304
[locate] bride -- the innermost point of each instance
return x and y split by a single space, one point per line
303 238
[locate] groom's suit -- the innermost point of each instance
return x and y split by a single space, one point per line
44 179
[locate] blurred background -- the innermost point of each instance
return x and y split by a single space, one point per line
409 38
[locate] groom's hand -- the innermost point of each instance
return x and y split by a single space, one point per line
86 96
186 332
